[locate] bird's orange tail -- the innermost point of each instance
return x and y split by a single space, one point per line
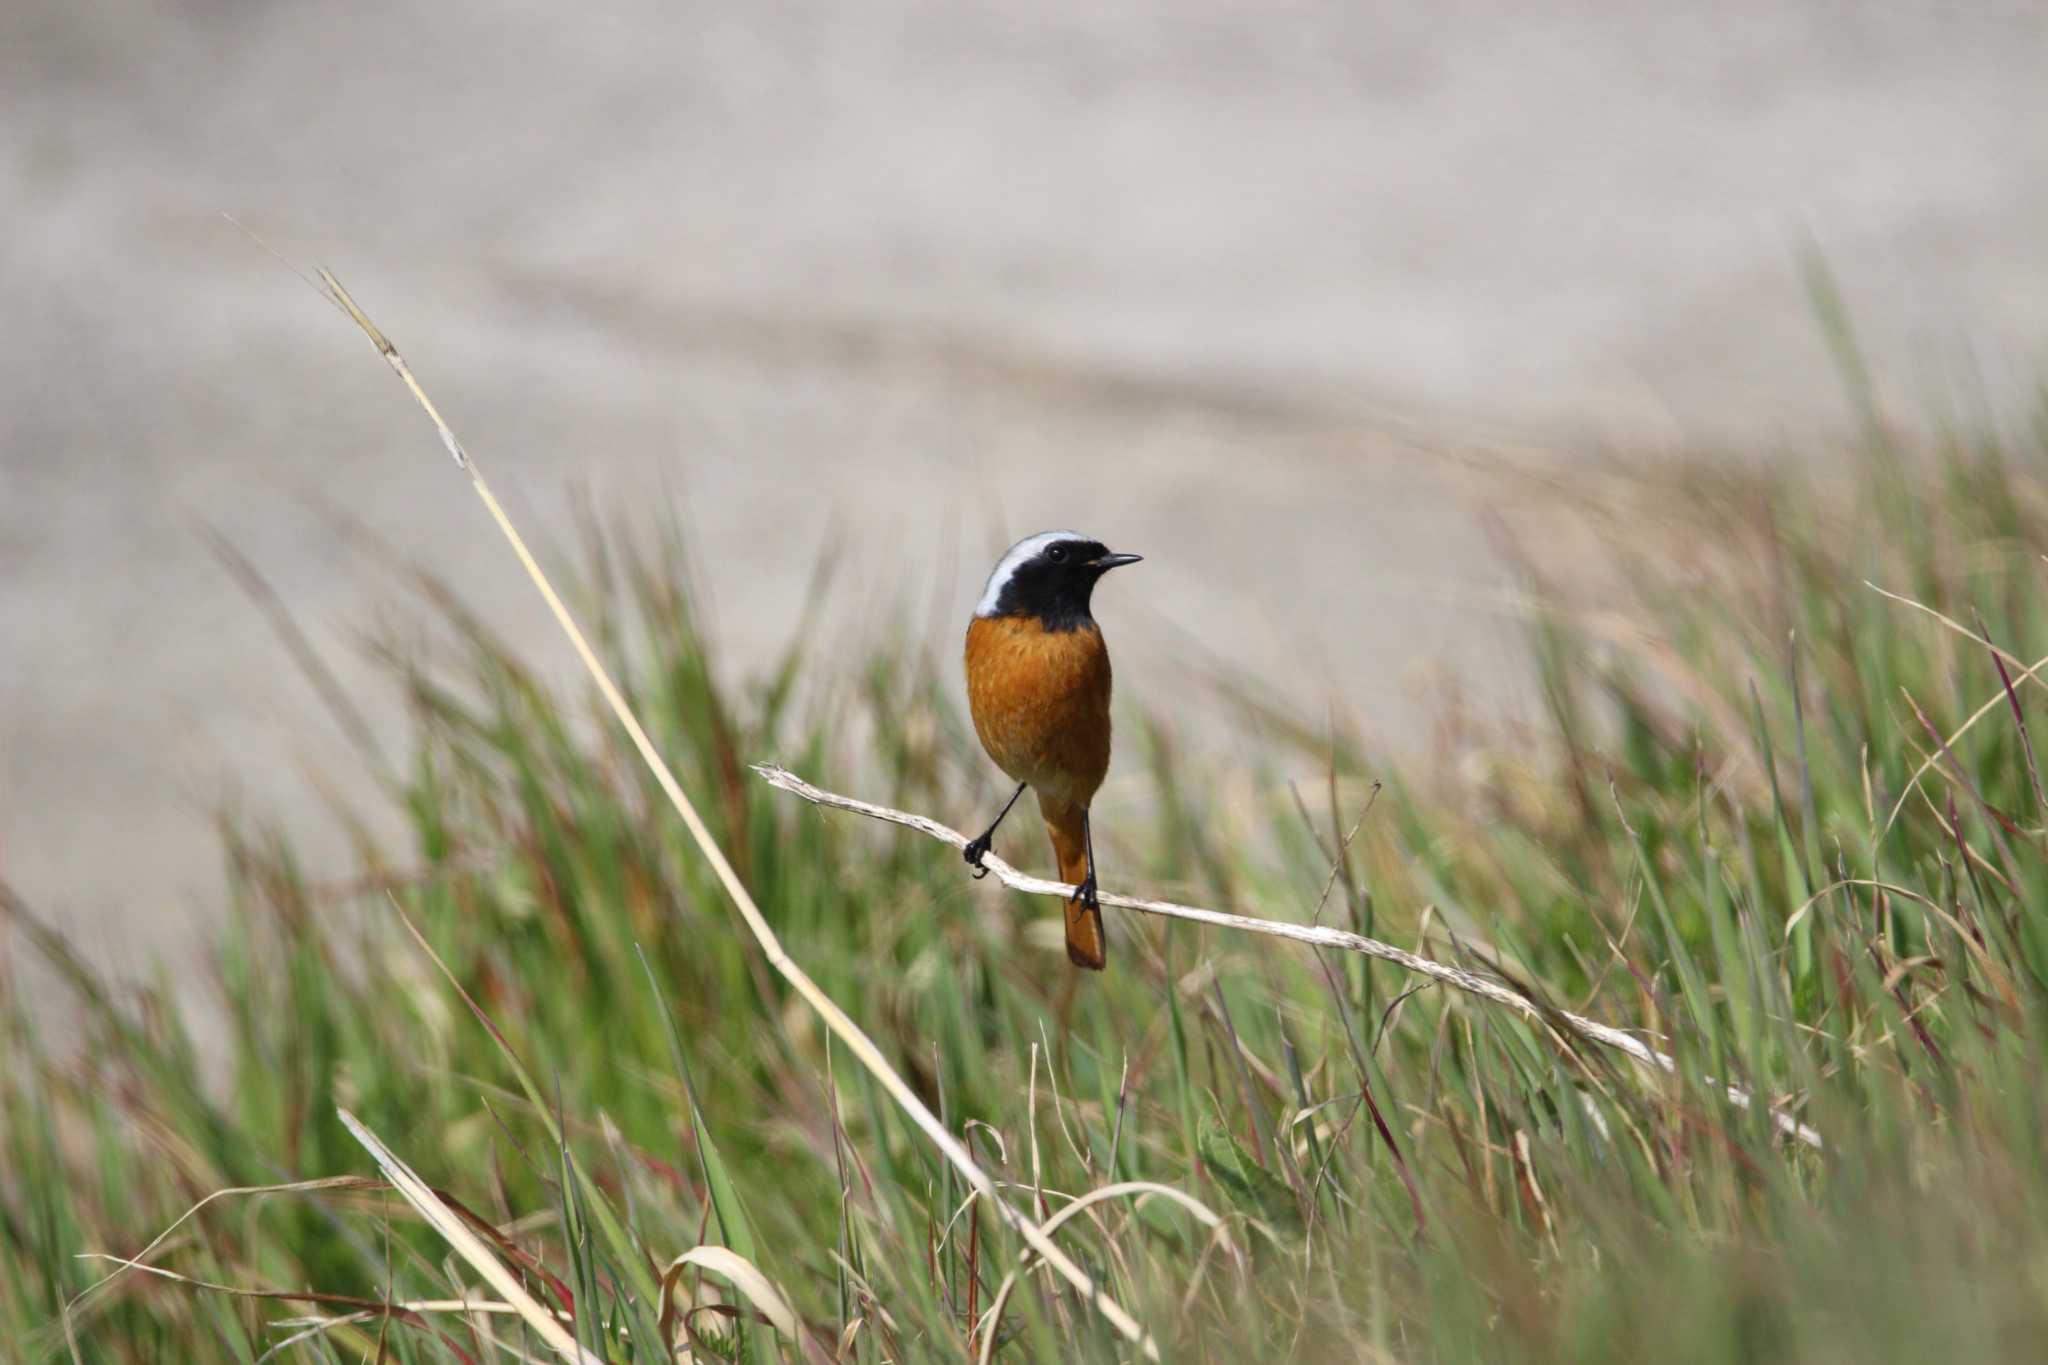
1068 826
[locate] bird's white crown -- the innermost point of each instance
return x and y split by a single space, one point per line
1013 558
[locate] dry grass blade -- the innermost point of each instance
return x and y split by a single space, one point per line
985 1327
367 1310
1319 935
479 1310
466 1244
836 1019
2027 673
140 1260
1959 628
745 1276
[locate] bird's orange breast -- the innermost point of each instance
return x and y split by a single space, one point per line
1040 702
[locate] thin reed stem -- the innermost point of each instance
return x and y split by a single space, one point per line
836 1019
1321 936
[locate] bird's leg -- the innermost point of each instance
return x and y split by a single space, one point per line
979 846
1084 894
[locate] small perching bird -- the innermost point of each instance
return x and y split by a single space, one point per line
1038 688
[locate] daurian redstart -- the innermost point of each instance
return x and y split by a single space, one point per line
1038 687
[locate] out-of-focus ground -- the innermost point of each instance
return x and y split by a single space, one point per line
1231 285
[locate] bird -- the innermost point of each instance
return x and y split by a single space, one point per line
1038 689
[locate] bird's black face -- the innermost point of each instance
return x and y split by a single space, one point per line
1055 583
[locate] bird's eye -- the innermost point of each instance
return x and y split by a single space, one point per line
1057 554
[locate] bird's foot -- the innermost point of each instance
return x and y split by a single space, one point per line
1084 894
974 852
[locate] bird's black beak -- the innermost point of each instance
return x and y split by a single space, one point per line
1108 562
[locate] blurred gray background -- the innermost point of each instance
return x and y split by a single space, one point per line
1231 285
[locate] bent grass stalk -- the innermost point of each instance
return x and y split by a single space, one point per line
836 1019
1319 935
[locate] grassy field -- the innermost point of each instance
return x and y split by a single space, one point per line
1782 824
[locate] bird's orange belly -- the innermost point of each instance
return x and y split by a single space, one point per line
1040 702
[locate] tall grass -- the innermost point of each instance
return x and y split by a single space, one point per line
1753 816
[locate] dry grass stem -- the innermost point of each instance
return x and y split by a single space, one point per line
1320 936
836 1019
467 1244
